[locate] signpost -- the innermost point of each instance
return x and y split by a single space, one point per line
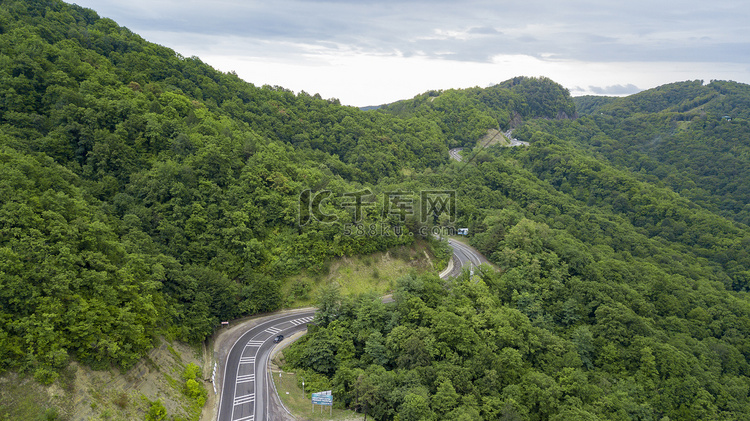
322 398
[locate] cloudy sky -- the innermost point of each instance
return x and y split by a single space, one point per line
379 51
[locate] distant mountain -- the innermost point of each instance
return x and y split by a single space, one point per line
465 115
590 104
693 137
146 194
722 98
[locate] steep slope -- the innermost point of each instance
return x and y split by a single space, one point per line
615 300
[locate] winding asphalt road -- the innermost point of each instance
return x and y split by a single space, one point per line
245 393
464 255
455 153
247 386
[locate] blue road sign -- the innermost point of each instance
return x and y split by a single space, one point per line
321 398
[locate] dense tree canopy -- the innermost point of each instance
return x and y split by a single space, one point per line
698 144
465 115
145 194
613 297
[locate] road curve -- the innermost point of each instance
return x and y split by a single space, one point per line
455 153
245 389
464 255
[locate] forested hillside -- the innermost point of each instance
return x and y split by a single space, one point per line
693 137
615 299
145 193
465 115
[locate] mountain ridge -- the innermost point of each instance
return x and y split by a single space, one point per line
148 195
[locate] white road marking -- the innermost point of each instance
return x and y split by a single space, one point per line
273 330
303 320
246 378
244 399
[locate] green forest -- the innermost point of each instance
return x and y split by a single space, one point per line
146 195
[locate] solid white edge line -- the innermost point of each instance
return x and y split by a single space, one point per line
276 392
226 364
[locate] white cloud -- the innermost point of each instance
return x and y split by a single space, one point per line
613 89
379 51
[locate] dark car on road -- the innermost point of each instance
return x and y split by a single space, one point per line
278 339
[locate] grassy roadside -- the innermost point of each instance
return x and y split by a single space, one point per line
358 274
493 137
301 407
